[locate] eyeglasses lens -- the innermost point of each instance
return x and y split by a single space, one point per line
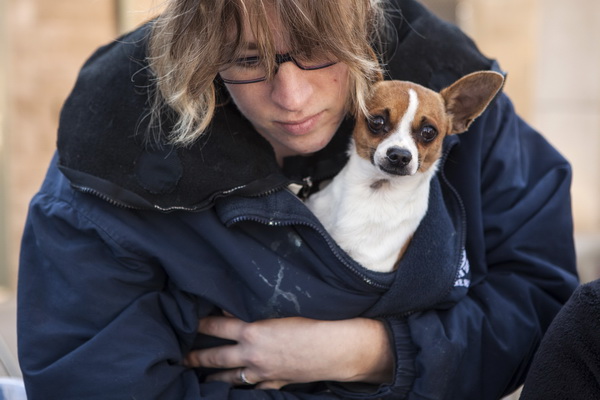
251 69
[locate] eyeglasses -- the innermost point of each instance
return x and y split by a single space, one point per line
251 69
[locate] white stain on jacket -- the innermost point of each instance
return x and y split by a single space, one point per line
278 292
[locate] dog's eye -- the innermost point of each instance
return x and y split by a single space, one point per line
428 133
376 123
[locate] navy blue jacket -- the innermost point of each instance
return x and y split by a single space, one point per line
126 245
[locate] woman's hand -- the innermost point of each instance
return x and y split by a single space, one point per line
276 352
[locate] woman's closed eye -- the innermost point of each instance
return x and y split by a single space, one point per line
247 62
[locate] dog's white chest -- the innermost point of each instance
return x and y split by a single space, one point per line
372 223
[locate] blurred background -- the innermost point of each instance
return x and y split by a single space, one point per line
550 49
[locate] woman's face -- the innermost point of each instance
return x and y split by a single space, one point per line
298 111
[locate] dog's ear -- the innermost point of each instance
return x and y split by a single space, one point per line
469 96
375 78
378 76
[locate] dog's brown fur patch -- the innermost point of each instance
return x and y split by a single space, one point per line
451 111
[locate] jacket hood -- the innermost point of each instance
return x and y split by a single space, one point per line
104 120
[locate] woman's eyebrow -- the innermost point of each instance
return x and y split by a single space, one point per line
250 46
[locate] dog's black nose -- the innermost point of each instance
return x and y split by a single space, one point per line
398 157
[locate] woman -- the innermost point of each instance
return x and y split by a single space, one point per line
166 255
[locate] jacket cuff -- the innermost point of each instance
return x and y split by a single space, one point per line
405 353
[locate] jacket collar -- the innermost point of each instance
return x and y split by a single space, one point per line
103 121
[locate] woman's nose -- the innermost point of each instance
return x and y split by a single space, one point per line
290 88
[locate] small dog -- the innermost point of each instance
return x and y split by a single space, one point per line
375 204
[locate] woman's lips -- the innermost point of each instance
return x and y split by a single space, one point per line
300 127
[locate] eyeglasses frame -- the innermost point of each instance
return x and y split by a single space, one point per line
279 59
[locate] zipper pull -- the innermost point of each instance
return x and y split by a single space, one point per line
307 184
302 190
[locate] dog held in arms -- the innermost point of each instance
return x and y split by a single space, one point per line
375 204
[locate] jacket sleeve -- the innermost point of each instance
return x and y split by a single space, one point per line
566 365
516 193
98 321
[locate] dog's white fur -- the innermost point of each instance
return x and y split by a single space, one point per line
372 213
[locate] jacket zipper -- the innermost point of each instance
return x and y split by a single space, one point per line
121 204
117 203
461 206
104 197
332 246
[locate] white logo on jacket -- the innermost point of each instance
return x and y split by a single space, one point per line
463 272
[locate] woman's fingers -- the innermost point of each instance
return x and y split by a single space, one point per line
226 356
224 327
244 377
220 357
236 377
271 385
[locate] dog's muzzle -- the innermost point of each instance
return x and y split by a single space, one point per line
397 161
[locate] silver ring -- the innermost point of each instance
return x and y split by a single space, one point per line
243 378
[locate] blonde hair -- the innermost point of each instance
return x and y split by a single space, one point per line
192 40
